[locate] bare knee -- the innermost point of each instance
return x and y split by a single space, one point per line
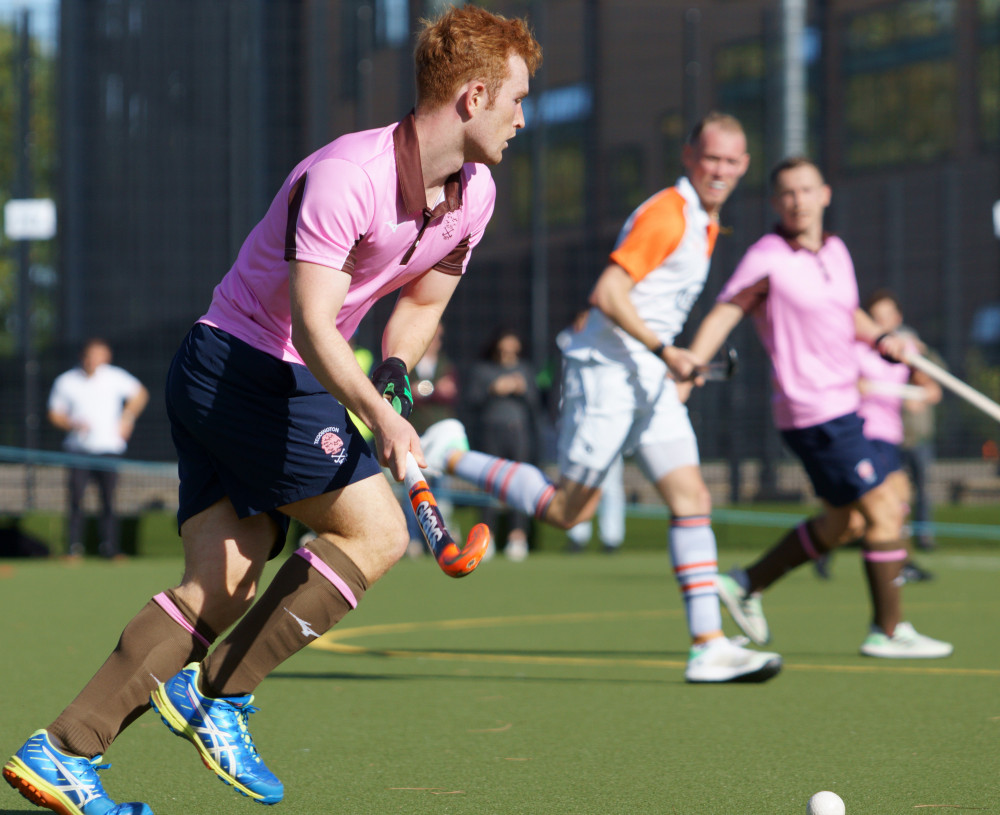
375 545
224 557
685 493
884 513
219 601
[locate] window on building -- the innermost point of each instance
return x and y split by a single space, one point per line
899 84
565 113
672 136
392 23
626 182
565 177
741 87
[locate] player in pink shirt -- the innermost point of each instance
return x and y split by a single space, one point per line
887 389
258 396
799 287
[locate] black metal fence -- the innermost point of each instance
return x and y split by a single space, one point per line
177 122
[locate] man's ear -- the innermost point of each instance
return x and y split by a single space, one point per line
474 98
745 164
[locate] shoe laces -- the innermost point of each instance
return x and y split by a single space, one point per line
242 716
87 774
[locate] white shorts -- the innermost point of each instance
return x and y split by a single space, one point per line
609 409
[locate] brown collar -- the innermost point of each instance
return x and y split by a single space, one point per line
411 176
793 242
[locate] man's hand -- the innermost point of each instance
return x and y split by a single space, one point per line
392 381
683 365
394 438
891 346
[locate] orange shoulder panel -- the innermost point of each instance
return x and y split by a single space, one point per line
656 232
713 233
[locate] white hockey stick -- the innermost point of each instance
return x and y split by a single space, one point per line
955 385
911 392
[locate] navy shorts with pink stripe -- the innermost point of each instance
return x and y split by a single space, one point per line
841 463
258 430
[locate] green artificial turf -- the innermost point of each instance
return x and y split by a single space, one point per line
551 686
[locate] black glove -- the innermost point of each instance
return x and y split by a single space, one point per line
391 380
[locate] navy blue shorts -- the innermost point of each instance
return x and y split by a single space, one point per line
255 429
841 463
890 458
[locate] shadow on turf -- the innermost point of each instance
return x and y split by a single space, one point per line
668 675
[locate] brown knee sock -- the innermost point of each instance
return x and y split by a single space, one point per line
799 545
160 640
883 564
311 592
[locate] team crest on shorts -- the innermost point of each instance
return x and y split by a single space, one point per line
331 444
865 470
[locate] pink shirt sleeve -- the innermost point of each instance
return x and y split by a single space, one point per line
330 209
750 274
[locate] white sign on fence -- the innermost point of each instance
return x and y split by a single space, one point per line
29 219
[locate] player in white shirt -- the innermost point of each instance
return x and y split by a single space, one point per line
618 395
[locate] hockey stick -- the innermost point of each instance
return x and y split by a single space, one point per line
453 561
955 385
912 392
719 370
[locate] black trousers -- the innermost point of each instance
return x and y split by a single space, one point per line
106 481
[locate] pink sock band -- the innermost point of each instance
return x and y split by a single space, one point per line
163 601
806 542
690 521
313 560
888 556
544 500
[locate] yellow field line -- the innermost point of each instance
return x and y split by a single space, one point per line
334 642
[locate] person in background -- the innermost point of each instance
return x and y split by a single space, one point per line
798 285
611 509
888 390
610 515
96 404
623 391
434 383
917 451
502 397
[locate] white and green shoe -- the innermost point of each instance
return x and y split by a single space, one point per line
745 607
724 660
440 440
905 643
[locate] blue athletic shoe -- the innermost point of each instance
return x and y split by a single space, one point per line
65 784
218 729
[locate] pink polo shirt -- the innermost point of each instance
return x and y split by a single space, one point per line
802 304
881 412
355 205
